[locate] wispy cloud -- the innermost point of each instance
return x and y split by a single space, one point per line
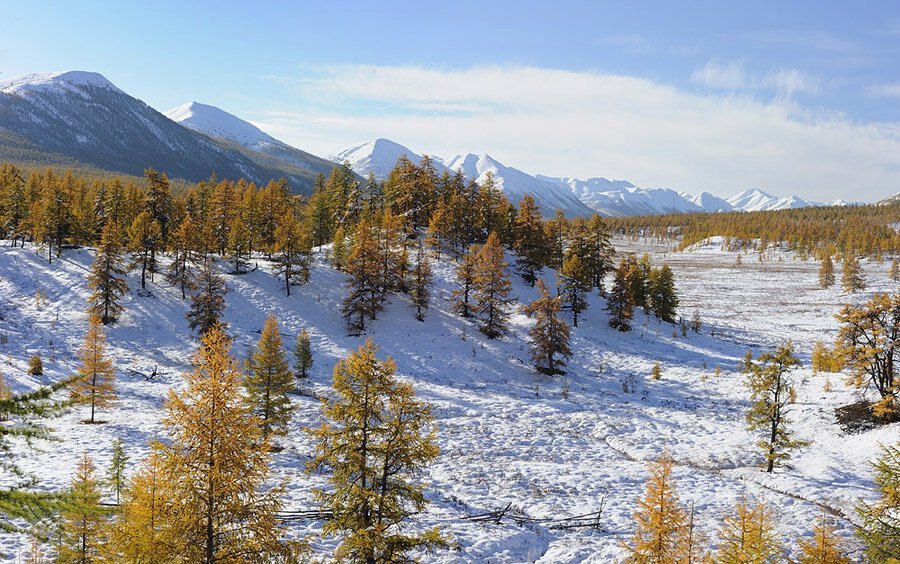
560 122
733 76
886 90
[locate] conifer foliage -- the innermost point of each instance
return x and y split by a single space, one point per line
574 284
749 535
83 521
107 278
620 301
550 334
303 354
208 302
375 440
825 547
96 381
852 279
826 272
771 388
491 288
270 380
421 282
293 246
364 300
880 529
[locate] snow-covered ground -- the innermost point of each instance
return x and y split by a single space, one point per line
508 435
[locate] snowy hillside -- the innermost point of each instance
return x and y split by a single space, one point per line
219 124
621 198
754 199
514 183
710 203
552 447
71 81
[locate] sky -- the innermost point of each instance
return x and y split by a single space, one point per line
790 97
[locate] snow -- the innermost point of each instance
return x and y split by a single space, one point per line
710 203
218 123
379 157
55 81
507 433
754 199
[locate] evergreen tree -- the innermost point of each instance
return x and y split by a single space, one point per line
662 295
293 247
880 528
530 245
491 288
574 285
143 240
185 256
465 273
621 298
339 249
364 300
96 381
159 204
749 535
825 547
208 302
393 258
421 283
239 246
599 251
826 272
894 273
869 339
852 279
216 467
377 437
771 389
115 475
550 334
269 381
660 519
107 278
639 277
82 521
303 354
141 532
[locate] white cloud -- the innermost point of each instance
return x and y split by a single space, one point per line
886 90
784 82
584 124
727 76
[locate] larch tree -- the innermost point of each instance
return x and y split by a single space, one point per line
880 528
421 282
185 256
364 300
574 285
852 279
303 354
216 467
95 384
662 295
749 535
376 440
826 272
530 245
83 536
465 274
339 249
550 334
894 272
771 388
620 301
293 246
240 243
869 339
144 238
115 474
491 288
142 531
660 519
208 302
269 381
825 546
107 278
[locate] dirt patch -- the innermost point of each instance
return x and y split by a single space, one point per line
858 417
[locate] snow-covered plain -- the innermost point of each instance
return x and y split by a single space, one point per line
508 435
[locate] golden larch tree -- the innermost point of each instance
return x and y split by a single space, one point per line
270 381
95 384
660 518
825 547
749 535
83 521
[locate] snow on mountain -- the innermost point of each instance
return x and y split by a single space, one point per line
515 184
218 123
621 198
71 81
754 199
710 203
379 156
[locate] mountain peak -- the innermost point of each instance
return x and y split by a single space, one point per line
36 82
216 122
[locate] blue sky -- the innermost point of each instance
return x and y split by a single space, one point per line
797 97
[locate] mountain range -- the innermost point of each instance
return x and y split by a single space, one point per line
80 118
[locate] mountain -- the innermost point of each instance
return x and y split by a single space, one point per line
82 118
617 198
514 183
221 125
710 203
379 156
754 199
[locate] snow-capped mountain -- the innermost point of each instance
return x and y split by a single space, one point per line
80 118
515 184
219 124
620 198
379 156
710 203
754 199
